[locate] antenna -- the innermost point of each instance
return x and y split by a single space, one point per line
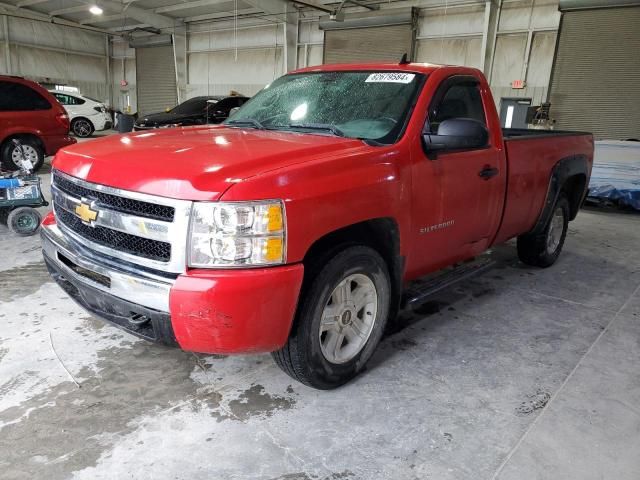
404 60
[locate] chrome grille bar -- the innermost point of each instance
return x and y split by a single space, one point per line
147 229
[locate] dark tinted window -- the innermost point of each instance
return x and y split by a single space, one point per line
461 100
15 97
226 104
191 107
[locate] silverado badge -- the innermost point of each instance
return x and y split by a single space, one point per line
86 213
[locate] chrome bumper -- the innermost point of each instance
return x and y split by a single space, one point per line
138 287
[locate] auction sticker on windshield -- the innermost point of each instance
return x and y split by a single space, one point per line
390 77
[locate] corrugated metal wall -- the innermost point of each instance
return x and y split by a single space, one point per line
596 80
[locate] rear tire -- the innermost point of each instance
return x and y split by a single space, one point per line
24 221
83 128
543 249
340 320
32 148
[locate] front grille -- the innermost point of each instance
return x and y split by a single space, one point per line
124 242
114 202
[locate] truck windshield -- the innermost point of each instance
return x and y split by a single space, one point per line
368 105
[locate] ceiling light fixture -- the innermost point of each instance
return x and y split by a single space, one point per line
96 10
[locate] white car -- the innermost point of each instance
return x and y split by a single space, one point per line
86 114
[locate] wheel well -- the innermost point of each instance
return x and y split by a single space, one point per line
381 234
21 136
75 119
574 188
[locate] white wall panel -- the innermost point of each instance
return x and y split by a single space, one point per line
216 73
508 59
88 74
270 35
309 32
313 55
123 67
3 65
519 15
453 51
541 60
451 21
56 36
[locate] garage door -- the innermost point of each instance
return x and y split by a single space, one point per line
595 84
364 44
156 79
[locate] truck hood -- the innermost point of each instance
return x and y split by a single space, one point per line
194 163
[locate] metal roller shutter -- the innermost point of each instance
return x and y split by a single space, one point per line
352 45
156 79
595 84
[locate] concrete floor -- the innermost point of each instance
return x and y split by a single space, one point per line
519 374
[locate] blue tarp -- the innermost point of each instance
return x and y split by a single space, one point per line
9 182
616 173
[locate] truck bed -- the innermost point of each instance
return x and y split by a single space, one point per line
531 157
524 133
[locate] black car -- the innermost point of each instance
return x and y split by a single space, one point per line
195 111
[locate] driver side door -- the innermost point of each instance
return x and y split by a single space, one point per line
458 217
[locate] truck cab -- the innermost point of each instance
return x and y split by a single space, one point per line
297 226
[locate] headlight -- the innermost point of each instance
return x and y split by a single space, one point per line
235 234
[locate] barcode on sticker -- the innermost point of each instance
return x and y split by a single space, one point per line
390 77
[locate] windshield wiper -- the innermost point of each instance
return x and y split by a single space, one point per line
325 127
246 122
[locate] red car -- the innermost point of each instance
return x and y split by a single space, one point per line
298 225
31 114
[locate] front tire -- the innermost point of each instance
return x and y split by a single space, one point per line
340 320
32 149
81 127
543 249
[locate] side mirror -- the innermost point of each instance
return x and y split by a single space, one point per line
457 134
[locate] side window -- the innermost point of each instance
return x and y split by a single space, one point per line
75 100
16 97
225 105
61 98
460 100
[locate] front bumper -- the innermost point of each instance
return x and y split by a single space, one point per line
207 311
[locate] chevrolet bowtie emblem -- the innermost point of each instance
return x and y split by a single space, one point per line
86 214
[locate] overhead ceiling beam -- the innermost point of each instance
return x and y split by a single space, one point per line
28 3
128 28
214 16
314 5
273 7
187 5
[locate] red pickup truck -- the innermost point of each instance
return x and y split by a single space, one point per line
297 225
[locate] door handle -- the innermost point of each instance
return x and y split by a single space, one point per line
488 172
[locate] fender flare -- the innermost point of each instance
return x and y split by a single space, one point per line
563 170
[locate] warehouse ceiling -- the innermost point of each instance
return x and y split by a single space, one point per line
126 15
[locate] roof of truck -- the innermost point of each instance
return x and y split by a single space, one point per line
377 66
